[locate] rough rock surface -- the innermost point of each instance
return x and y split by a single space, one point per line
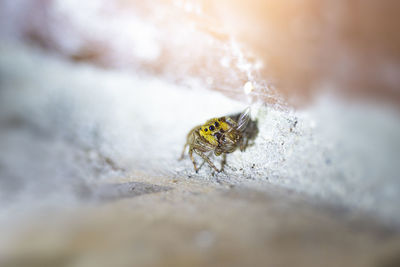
90 177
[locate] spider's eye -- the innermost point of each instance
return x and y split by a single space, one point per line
205 129
216 124
212 128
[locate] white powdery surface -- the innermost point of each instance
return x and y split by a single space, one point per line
59 121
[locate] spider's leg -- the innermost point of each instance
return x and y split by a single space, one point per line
201 154
183 151
243 144
246 144
201 165
191 157
223 162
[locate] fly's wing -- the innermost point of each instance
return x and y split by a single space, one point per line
230 122
243 120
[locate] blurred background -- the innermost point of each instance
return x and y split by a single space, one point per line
96 99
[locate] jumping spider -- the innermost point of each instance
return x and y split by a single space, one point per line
222 135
